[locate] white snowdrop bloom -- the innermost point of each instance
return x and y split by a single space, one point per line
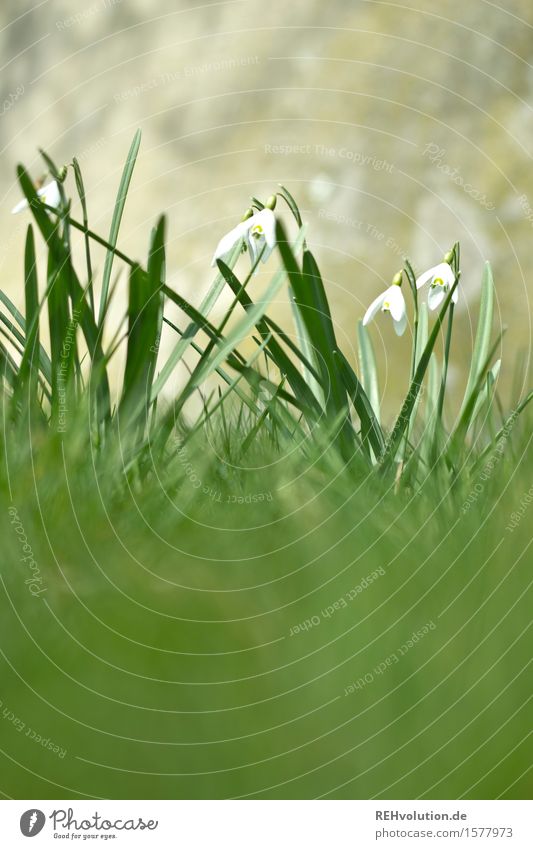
49 194
441 279
258 232
393 302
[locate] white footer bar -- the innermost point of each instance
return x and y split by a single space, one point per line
267 824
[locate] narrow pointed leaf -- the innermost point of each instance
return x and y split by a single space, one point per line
115 221
483 333
369 372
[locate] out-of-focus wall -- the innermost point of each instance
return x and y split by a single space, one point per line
400 127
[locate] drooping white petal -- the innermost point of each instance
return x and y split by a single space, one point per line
455 295
22 204
254 246
441 278
267 220
427 275
442 270
228 241
396 301
447 275
49 194
436 296
269 226
374 308
400 324
261 229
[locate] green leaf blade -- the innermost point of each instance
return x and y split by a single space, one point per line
116 221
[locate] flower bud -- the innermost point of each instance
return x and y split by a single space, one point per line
62 174
271 202
449 257
397 279
248 214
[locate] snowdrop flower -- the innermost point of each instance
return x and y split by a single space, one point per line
393 302
49 194
258 232
441 279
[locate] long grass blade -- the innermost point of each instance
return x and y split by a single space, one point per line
369 371
371 433
29 365
83 201
483 333
115 222
144 329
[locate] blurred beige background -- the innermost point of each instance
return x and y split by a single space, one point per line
399 127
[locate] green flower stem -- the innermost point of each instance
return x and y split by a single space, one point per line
411 376
415 340
447 346
81 193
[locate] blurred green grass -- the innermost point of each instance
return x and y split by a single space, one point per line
160 656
